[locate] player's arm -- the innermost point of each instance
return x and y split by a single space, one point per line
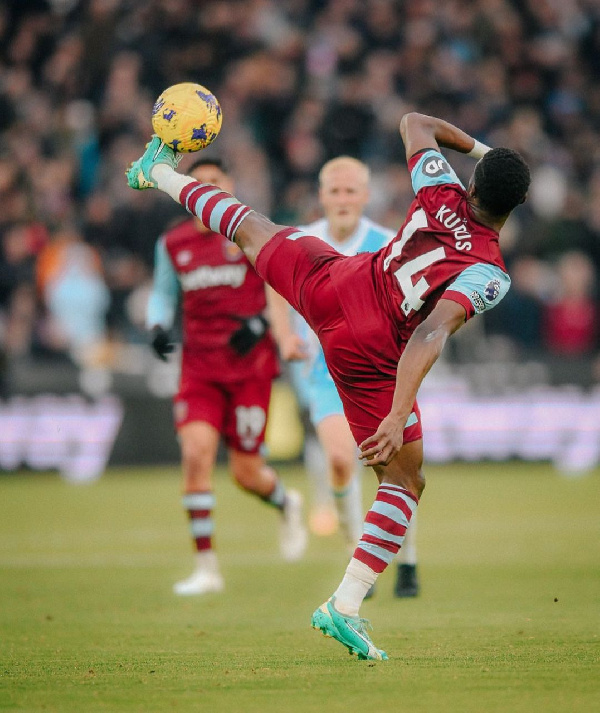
291 345
478 288
162 303
421 352
420 132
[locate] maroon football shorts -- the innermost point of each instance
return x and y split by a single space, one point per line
299 271
238 410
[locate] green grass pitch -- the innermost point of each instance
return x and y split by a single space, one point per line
508 618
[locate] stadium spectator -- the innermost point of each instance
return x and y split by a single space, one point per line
570 318
20 243
71 283
228 363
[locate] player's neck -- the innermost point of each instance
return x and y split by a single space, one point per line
483 217
341 235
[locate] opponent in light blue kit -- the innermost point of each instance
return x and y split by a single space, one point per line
311 377
343 194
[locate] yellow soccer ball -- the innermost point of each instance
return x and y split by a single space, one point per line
187 117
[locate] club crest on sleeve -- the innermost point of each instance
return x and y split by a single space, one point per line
492 290
477 302
435 166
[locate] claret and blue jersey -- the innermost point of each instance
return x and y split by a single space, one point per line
364 308
441 250
216 286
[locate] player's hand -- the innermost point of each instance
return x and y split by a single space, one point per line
161 343
384 444
293 348
253 329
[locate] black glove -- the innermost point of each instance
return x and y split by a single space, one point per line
253 329
161 343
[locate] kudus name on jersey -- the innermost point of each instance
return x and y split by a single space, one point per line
218 276
453 222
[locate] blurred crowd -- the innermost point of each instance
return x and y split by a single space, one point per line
299 81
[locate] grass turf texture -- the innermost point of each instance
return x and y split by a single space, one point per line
508 618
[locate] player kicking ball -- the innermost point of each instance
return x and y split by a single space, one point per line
382 318
344 193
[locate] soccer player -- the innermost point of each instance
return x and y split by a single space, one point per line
343 195
382 318
229 360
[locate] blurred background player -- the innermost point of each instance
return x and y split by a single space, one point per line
343 195
228 362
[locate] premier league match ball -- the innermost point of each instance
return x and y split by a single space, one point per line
187 117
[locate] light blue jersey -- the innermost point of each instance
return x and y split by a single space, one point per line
312 381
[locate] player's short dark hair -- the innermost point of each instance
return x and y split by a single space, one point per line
216 162
501 181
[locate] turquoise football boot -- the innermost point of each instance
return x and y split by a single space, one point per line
139 173
348 630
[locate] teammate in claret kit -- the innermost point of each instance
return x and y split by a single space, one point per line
228 363
382 318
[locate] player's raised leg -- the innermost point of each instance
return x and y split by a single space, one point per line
217 209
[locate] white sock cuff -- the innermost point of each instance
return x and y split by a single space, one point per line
169 181
207 560
360 571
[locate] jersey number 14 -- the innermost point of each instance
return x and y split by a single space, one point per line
413 291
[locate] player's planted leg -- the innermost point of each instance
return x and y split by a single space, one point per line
206 577
385 526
